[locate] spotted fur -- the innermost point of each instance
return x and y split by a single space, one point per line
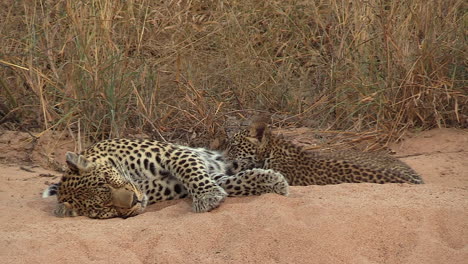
154 171
258 147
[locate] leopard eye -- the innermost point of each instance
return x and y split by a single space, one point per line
135 200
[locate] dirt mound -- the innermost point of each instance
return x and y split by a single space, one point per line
346 223
47 149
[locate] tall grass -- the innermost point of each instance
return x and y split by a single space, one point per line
106 68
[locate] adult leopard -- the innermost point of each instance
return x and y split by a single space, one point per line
119 177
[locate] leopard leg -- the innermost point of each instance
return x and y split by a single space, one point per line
209 200
253 182
64 210
194 175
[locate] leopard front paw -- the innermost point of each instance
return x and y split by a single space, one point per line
64 210
208 201
270 181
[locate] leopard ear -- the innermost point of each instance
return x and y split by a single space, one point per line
122 197
253 140
258 128
78 163
218 143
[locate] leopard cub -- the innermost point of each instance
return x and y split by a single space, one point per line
257 147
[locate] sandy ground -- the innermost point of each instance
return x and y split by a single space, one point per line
347 223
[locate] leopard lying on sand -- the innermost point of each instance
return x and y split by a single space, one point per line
120 177
257 147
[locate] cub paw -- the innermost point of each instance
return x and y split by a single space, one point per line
64 210
208 201
270 181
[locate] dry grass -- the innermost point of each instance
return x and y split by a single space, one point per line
187 69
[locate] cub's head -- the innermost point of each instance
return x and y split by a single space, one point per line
97 190
249 147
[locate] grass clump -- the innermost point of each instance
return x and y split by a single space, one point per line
176 69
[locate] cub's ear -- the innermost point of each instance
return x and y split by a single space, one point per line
253 140
218 143
78 163
259 127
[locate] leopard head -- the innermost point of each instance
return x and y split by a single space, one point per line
250 147
97 190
